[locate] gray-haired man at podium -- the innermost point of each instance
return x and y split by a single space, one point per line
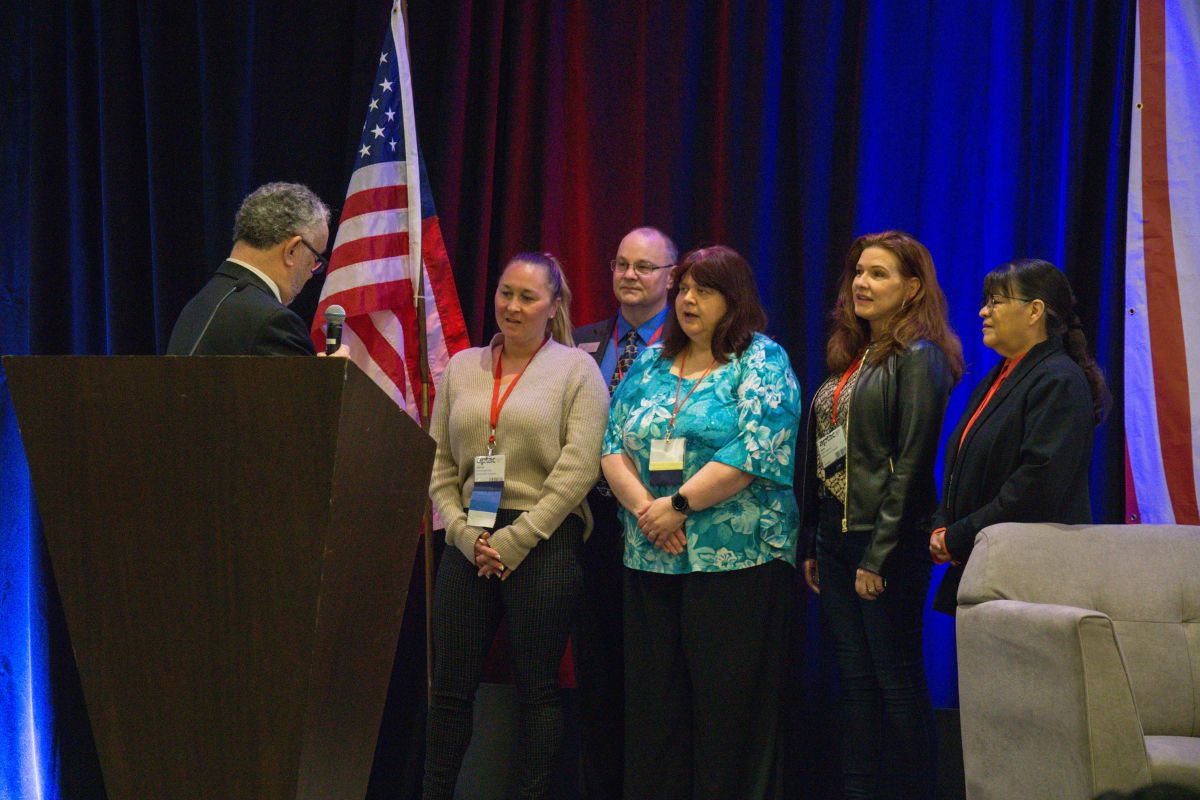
279 236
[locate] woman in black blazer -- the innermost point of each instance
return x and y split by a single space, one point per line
1020 453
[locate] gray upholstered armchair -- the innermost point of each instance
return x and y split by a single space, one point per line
1079 660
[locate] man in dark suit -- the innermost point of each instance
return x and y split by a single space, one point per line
641 279
279 234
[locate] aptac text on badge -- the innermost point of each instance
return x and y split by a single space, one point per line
485 495
831 451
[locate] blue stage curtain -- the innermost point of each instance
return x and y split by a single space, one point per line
781 127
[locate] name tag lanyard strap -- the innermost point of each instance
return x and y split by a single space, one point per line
837 393
679 403
498 401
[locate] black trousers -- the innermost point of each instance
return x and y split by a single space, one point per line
598 649
538 603
885 718
705 665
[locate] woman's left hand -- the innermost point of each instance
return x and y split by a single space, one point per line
659 519
487 558
937 547
869 585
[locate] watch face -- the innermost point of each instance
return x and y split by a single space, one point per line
679 502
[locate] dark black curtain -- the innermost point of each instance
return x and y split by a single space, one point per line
131 131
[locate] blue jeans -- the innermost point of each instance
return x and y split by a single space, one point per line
884 714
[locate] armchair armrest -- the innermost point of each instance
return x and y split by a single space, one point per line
1047 710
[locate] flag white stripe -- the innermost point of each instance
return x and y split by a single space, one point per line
360 356
390 328
1141 410
377 176
374 223
412 160
365 273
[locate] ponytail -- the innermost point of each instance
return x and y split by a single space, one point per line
560 325
1036 278
1075 342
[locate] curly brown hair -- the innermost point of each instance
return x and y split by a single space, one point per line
924 318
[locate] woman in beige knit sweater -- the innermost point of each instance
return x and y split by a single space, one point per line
518 426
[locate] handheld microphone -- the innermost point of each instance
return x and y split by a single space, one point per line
334 316
237 287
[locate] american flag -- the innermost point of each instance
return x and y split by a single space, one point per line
371 271
1162 269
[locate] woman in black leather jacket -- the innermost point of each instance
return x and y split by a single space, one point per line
869 493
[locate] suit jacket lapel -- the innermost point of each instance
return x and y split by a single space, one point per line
605 341
1037 355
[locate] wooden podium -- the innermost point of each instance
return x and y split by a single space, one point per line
232 539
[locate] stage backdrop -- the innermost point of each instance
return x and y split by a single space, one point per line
782 127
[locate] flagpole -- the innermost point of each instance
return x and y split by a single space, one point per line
424 411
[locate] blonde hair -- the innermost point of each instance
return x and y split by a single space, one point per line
560 326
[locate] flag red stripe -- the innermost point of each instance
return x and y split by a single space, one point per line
371 297
381 351
412 348
369 248
1162 288
445 293
384 198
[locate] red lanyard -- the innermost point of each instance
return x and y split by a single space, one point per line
498 401
987 398
679 403
616 369
837 393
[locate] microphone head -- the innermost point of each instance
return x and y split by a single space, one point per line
335 314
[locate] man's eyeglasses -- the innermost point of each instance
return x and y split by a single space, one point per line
643 268
321 261
993 300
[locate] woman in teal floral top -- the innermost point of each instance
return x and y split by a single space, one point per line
700 451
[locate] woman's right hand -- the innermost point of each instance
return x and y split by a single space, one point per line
811 576
673 543
487 559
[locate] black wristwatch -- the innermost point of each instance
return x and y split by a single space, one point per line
680 504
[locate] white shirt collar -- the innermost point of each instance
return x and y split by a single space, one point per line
265 278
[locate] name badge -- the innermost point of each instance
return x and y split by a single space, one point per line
666 461
485 497
831 451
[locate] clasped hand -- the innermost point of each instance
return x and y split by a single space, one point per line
937 547
663 525
487 559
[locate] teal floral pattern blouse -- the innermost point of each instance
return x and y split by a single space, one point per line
744 414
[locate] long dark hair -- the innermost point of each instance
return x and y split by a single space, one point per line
1035 279
923 318
721 268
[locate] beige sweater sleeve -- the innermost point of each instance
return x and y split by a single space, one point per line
585 399
445 485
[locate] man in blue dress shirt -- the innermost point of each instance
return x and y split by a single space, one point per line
641 273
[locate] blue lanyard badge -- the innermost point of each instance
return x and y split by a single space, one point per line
485 496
